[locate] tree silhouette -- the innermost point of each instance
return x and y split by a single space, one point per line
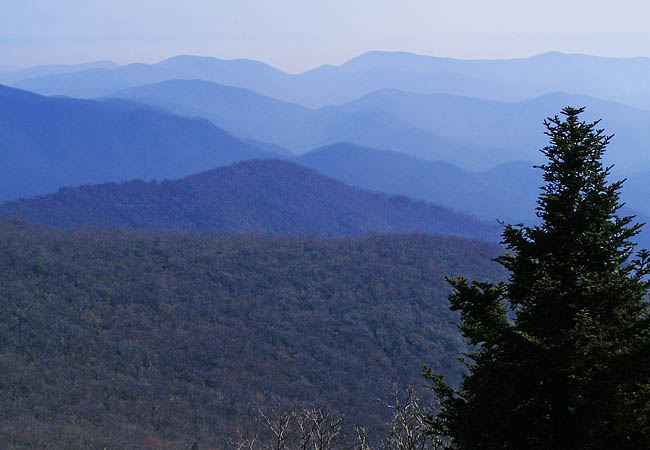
561 351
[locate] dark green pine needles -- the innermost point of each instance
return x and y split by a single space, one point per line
562 351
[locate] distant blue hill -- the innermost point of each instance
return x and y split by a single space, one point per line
514 129
475 134
4 68
14 75
507 192
268 196
299 129
98 82
617 79
623 80
48 143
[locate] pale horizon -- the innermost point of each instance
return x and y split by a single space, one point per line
295 36
444 46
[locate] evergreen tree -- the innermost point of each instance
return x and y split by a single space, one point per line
561 355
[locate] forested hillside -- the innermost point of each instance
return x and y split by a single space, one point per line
253 196
118 339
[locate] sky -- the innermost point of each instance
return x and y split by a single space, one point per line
295 35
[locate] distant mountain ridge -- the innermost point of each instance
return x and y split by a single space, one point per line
507 192
268 196
616 79
252 115
619 79
48 143
479 193
16 75
475 134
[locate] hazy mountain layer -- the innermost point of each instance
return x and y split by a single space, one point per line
506 193
475 134
97 82
249 114
16 75
619 79
48 143
254 196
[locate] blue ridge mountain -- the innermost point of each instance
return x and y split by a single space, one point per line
619 79
479 193
623 80
48 143
98 82
249 114
261 196
475 134
507 192
14 75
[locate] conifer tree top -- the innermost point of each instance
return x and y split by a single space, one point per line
561 351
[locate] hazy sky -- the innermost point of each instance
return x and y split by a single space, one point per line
298 34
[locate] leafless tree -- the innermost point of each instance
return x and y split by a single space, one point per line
408 429
308 429
316 428
280 424
361 442
319 430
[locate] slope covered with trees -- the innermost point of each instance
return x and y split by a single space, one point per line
256 196
118 339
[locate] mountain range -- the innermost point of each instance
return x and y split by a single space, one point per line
488 146
269 196
154 287
299 129
619 79
10 76
473 133
57 142
479 193
50 142
507 192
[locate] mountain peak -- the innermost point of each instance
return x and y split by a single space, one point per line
262 196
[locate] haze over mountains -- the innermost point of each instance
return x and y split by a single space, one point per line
13 75
141 305
51 142
507 192
480 193
476 134
619 79
476 151
480 150
297 128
